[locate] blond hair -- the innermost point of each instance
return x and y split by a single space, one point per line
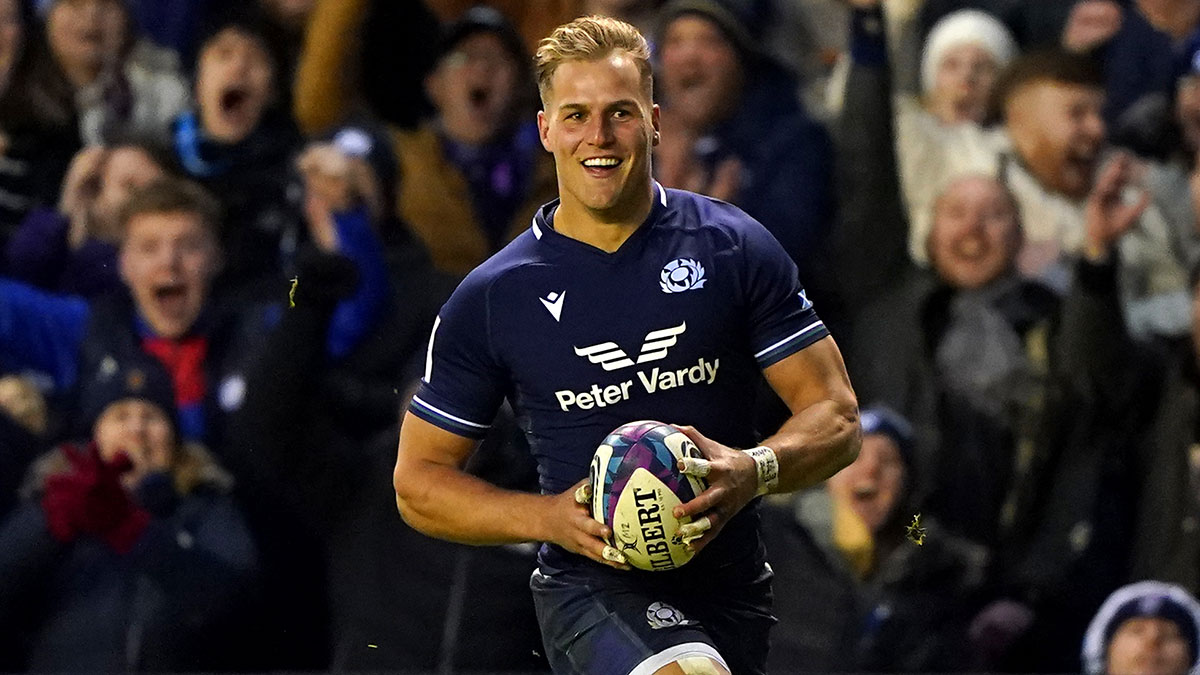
590 38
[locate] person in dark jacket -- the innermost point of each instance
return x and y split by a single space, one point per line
127 552
857 590
952 350
733 128
239 142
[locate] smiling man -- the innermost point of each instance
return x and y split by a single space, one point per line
164 317
617 269
238 142
471 174
733 129
168 258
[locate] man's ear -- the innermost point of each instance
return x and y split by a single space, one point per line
654 121
544 130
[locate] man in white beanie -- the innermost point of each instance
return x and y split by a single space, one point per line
1148 627
940 112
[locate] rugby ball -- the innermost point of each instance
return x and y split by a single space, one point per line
636 484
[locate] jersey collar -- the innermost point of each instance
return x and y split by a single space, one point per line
543 225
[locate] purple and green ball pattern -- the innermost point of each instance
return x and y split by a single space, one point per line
642 445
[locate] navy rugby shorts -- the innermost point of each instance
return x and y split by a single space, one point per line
596 620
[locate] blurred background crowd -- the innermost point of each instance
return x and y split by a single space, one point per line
226 227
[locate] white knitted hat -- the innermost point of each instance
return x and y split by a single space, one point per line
1144 598
966 26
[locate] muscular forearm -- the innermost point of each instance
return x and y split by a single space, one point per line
445 502
816 443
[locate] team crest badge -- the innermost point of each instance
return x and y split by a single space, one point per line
661 615
681 274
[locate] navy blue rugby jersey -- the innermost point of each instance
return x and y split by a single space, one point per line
674 326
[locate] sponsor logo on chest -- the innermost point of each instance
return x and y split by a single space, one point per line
654 380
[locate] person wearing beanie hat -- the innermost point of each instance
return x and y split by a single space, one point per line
853 579
113 386
1144 627
875 486
483 19
963 54
733 128
106 531
740 20
238 140
470 176
937 101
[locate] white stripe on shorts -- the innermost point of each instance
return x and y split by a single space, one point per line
682 651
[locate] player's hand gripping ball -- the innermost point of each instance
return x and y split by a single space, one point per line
636 484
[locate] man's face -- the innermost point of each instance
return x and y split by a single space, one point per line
168 261
701 73
873 484
85 34
474 87
140 430
962 84
125 169
234 85
1147 645
1058 132
975 235
600 124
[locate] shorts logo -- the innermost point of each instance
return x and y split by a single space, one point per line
681 274
611 357
661 615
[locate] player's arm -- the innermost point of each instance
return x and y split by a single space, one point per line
822 436
437 497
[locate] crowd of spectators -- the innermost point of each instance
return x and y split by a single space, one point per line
226 227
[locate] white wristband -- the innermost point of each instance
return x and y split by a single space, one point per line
768 468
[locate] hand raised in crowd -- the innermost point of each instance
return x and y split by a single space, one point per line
21 401
333 182
1108 214
90 498
569 523
1090 24
732 479
80 189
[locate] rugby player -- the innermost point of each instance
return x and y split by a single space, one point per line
626 301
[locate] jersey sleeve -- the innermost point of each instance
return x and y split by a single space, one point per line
463 384
782 318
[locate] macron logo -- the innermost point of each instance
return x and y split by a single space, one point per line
553 304
611 357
